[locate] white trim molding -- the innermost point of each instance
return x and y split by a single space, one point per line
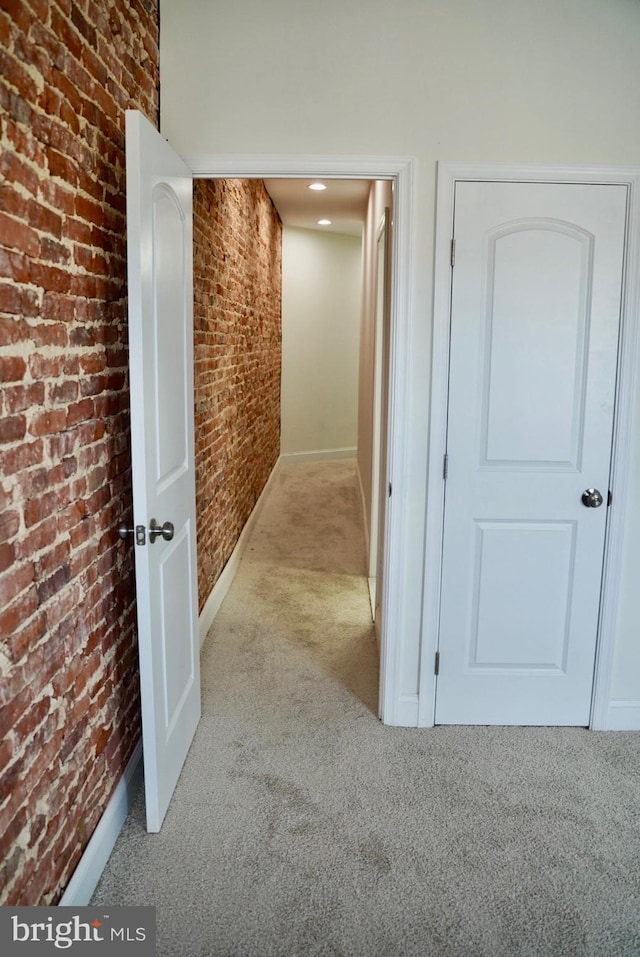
623 716
400 170
97 852
302 166
605 714
319 455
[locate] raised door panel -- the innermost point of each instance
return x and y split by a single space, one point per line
171 352
520 611
535 331
179 667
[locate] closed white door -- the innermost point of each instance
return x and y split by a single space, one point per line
160 277
536 300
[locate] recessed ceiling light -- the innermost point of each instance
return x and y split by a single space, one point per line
317 186
324 222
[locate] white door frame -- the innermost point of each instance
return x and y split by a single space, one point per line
376 450
627 384
400 170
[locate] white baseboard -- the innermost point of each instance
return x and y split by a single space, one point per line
318 456
92 863
406 713
623 715
224 582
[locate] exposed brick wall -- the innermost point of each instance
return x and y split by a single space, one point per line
238 337
68 658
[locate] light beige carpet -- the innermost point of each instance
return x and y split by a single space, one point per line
302 826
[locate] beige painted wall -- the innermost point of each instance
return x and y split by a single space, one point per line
492 80
320 333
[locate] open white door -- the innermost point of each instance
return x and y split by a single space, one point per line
160 276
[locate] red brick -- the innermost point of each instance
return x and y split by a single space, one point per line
50 277
16 301
7 556
15 169
80 411
54 252
9 524
18 12
62 444
44 423
17 235
40 8
42 536
59 195
66 169
12 617
21 397
13 429
26 637
90 211
94 362
63 392
58 307
22 457
41 367
17 76
25 143
13 330
14 582
14 265
49 334
52 559
12 368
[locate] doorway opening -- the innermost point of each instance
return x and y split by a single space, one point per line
394 707
321 270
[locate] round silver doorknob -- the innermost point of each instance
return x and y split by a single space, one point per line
164 531
592 498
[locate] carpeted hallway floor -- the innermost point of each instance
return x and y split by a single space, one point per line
302 826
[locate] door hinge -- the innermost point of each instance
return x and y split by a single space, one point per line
445 467
609 498
437 665
453 252
389 489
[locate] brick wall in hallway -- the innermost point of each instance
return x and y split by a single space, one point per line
237 315
68 658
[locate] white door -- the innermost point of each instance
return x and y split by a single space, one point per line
536 300
160 277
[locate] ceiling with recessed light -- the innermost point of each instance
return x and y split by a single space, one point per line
344 202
